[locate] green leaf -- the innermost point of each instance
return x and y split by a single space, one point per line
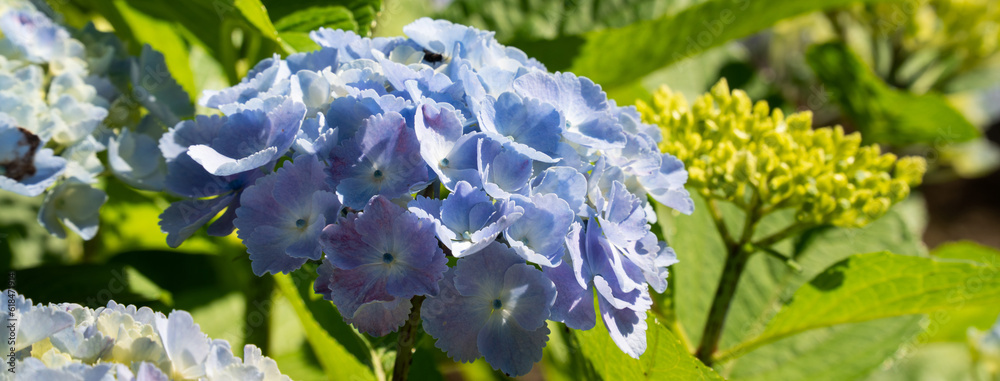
362 12
162 36
256 14
665 357
607 56
846 352
310 19
546 19
937 361
767 282
878 285
337 362
881 113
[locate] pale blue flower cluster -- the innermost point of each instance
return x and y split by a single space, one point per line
65 97
545 192
66 341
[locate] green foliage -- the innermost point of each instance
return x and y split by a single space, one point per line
846 352
673 37
337 362
362 13
665 357
767 281
541 19
878 285
881 113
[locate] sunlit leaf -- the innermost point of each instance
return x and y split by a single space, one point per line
881 113
665 357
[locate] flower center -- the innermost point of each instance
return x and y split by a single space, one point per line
387 258
300 223
377 174
497 304
445 162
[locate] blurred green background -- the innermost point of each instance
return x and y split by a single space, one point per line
917 77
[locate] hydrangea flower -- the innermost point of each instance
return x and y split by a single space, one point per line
592 265
57 86
382 253
498 163
493 305
382 159
67 341
284 214
467 221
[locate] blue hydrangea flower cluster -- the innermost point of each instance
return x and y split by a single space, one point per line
398 156
69 342
67 95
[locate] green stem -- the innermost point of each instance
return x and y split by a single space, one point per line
737 256
407 338
257 312
736 261
720 224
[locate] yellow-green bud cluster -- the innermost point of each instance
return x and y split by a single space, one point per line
744 152
964 31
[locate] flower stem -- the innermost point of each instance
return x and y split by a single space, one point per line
737 255
407 338
736 261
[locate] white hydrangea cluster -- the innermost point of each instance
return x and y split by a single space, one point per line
67 95
69 342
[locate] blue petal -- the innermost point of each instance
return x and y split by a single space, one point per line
503 171
666 185
482 274
157 90
532 128
528 295
627 327
539 234
183 218
582 103
565 182
574 305
511 348
381 317
454 320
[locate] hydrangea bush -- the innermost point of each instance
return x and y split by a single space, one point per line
442 173
69 342
67 95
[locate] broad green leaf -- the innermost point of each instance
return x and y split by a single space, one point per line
931 362
362 12
608 56
878 285
546 19
310 19
846 352
665 357
766 281
952 325
337 362
256 14
163 37
881 113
